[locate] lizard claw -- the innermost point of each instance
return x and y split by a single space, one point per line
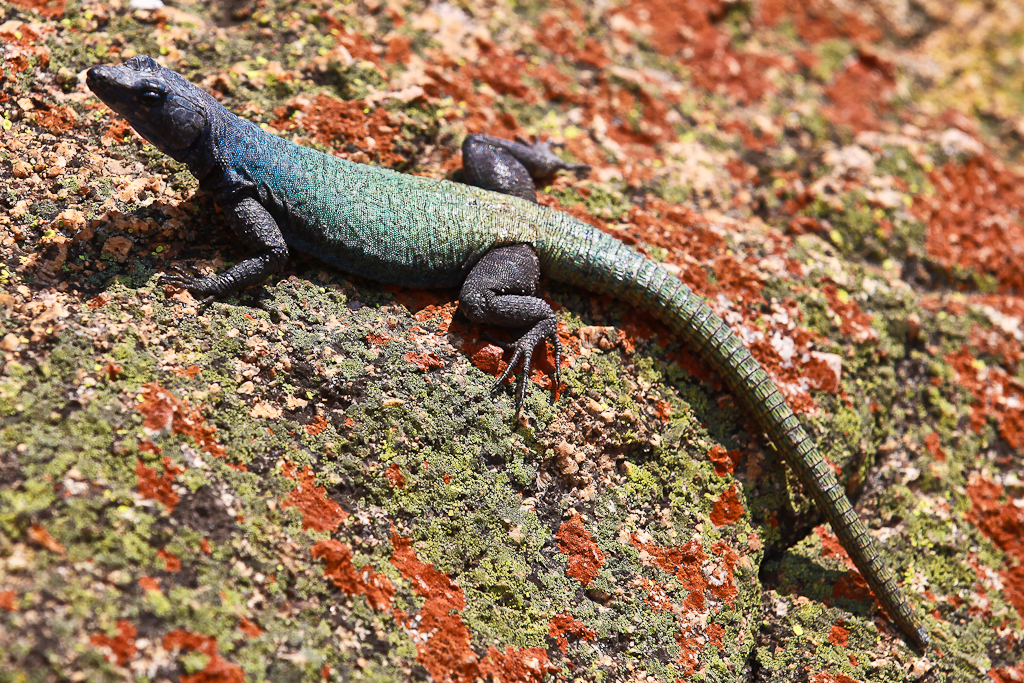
523 349
552 161
195 284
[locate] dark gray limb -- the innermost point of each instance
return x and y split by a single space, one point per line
501 290
511 167
258 230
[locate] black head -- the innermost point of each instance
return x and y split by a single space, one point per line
163 107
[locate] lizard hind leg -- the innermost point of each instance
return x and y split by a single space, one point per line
501 290
510 167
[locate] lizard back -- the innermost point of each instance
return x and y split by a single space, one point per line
387 226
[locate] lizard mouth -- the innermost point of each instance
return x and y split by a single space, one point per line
97 79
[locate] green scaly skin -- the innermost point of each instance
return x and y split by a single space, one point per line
420 232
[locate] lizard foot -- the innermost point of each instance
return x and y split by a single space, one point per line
196 284
552 161
523 349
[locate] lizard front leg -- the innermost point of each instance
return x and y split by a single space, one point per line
501 290
259 230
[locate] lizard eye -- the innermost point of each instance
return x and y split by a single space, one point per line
151 96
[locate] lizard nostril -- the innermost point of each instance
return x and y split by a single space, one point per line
93 75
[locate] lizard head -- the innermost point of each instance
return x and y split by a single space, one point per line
164 108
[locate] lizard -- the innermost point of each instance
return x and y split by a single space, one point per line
488 235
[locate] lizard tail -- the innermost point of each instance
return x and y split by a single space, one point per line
620 271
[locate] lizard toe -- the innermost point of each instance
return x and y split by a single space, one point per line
507 346
522 357
512 363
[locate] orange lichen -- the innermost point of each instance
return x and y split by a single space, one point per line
501 69
339 569
249 628
831 547
931 442
585 558
998 396
164 412
122 646
821 375
8 601
825 677
394 475
860 94
354 43
723 578
319 512
690 647
973 218
817 20
149 584
424 361
191 372
446 652
724 461
514 665
684 562
1009 674
377 338
718 67
850 586
398 49
728 508
154 486
715 633
558 32
484 356
561 624
657 597
57 120
755 142
51 9
691 27
1004 524
217 670
839 635
171 563
343 125
39 535
317 426
442 638
855 323
113 370
101 299
996 341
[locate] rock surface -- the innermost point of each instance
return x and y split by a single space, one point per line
315 479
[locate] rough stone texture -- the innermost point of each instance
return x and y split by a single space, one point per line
314 479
